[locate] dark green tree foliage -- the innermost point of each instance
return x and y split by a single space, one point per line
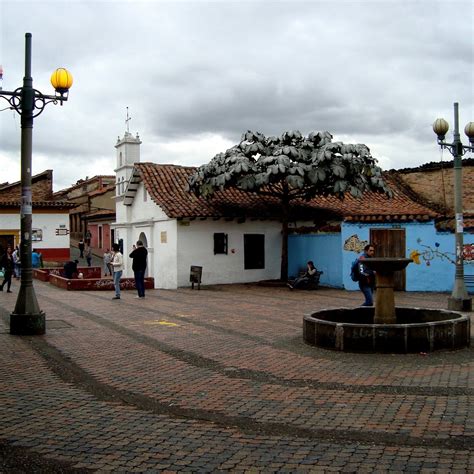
291 167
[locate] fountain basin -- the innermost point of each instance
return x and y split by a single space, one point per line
415 330
387 265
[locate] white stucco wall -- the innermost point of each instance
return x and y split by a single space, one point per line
196 247
145 209
145 217
121 211
165 261
174 246
48 223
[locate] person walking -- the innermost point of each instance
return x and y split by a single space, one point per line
88 237
117 263
16 263
81 246
88 254
7 264
139 256
367 276
107 263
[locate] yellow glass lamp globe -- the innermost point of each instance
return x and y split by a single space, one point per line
61 80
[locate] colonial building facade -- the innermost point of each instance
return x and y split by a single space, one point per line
236 237
50 219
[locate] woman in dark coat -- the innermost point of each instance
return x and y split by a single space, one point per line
305 280
7 265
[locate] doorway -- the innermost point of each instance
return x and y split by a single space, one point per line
99 245
6 240
390 243
254 251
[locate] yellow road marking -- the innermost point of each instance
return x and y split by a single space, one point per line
161 323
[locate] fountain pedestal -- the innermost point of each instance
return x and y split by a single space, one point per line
386 328
385 269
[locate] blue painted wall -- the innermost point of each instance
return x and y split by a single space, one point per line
435 272
323 249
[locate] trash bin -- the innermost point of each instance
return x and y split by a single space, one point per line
195 276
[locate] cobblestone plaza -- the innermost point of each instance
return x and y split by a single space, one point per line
220 380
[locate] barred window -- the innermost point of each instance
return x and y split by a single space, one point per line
220 243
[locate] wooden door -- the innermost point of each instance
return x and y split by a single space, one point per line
254 251
99 245
390 243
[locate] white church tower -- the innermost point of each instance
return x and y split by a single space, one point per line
128 153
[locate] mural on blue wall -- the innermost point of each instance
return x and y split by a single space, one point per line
468 253
354 244
429 253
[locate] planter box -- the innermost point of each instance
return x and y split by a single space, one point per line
96 284
44 273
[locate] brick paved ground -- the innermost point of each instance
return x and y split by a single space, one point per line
220 380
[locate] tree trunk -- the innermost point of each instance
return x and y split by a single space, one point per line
285 208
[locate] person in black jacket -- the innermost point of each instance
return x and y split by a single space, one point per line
81 248
139 255
70 268
7 265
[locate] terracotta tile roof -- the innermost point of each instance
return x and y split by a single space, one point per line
166 185
37 204
404 205
436 165
41 188
448 223
83 182
44 175
99 213
104 190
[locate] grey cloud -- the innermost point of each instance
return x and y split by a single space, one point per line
372 71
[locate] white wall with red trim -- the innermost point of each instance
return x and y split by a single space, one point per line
45 226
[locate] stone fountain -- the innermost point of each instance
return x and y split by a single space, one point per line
386 328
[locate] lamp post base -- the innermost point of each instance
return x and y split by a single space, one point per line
28 324
459 304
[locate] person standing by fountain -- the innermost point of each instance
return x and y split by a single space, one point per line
367 276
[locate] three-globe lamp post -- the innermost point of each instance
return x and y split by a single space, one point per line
459 299
27 318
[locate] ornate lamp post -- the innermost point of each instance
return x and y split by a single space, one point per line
459 299
27 318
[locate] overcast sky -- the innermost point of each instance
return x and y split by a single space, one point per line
196 74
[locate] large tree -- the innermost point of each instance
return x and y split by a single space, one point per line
288 168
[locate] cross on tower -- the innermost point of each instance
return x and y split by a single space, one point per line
127 120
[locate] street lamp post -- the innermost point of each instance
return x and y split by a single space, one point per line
459 299
27 318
